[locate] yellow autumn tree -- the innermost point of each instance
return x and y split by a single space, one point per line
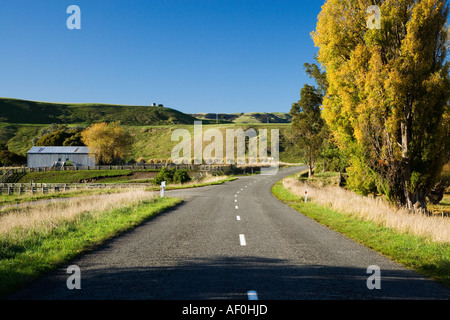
388 92
109 141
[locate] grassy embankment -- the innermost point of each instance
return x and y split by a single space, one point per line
151 127
153 142
419 242
37 238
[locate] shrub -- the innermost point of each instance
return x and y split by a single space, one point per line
140 160
171 176
8 158
181 176
164 175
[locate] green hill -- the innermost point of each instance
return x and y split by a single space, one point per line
150 127
155 142
249 117
35 112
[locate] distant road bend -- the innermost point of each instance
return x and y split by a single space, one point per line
228 240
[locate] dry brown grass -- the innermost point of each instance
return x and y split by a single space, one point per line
373 209
48 214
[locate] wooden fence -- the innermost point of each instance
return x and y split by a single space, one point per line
155 166
44 188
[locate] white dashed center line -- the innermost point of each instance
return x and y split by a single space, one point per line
238 218
242 240
252 295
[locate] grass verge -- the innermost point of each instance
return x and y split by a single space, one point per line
73 176
192 184
429 258
27 254
14 199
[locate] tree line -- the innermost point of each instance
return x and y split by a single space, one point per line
381 97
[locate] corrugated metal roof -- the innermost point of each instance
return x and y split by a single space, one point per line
42 150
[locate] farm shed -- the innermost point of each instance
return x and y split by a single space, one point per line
40 157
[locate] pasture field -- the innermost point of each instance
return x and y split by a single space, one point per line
152 143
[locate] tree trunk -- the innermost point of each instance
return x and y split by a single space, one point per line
416 199
310 164
323 169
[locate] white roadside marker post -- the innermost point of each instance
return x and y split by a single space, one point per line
306 195
162 188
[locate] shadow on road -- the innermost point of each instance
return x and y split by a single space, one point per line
231 278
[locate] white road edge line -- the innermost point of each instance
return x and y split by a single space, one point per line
242 240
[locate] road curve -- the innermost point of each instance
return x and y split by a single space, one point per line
225 241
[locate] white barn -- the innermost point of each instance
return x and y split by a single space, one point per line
40 157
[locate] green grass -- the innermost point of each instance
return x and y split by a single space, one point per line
13 199
18 137
80 175
422 255
30 256
100 176
249 117
442 207
152 141
37 112
195 185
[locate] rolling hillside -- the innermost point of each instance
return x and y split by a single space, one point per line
34 112
249 117
150 127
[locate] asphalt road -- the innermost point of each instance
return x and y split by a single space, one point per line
225 241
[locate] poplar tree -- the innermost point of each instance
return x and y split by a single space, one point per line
388 90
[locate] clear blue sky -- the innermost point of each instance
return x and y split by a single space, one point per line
190 55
